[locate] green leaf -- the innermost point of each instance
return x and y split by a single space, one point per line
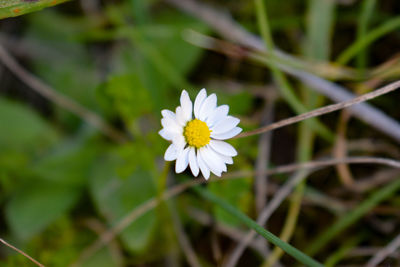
160 56
22 128
37 205
179 52
102 258
115 197
60 59
13 8
68 163
137 155
127 96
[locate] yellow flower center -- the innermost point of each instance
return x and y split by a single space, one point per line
197 133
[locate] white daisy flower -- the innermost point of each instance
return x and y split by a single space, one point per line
197 141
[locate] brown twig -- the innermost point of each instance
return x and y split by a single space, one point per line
373 181
69 104
324 110
263 157
340 149
264 152
153 202
21 252
373 146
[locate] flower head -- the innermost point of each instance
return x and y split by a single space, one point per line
197 141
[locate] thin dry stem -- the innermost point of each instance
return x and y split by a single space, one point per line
183 239
340 150
69 104
375 180
21 252
373 146
324 110
384 252
263 157
153 202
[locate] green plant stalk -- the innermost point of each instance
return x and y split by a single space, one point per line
294 252
319 29
369 38
162 182
338 255
321 16
164 209
13 8
367 10
283 84
346 221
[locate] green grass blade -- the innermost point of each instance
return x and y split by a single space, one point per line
13 8
294 252
319 28
346 221
372 36
367 10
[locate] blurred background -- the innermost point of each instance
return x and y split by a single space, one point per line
82 85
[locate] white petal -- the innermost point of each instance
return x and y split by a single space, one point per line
194 166
171 153
235 131
213 161
180 116
202 165
226 159
167 135
201 96
223 148
227 124
179 141
218 114
182 161
186 105
208 106
171 125
168 113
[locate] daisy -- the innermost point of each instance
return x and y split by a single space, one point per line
197 141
